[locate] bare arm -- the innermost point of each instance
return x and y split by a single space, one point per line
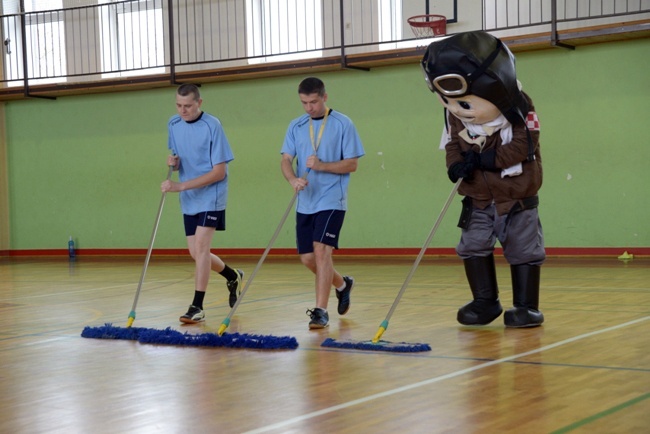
286 164
340 167
217 173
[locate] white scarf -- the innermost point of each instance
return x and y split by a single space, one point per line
500 124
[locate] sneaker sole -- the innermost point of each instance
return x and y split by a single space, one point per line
190 321
317 326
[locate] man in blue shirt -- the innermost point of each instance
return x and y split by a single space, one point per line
201 153
326 147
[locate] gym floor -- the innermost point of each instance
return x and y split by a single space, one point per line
586 370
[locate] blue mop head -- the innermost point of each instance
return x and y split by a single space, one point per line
394 347
169 336
109 332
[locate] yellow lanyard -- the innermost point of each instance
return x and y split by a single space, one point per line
316 144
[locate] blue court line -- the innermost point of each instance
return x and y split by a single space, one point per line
433 380
481 359
571 365
602 414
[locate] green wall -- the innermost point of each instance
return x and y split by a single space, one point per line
91 166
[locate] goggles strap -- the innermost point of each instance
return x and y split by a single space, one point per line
486 63
531 147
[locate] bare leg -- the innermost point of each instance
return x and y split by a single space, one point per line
216 264
320 263
199 246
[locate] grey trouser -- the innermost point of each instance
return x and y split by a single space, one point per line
521 238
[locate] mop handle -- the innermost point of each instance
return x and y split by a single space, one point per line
226 322
384 324
146 261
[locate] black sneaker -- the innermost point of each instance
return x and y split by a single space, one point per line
193 315
344 296
234 286
319 318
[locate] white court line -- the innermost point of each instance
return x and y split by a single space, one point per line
81 291
437 379
22 298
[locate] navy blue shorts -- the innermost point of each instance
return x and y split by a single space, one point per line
323 227
210 219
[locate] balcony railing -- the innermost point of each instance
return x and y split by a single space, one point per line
123 39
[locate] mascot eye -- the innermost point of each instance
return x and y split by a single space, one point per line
465 105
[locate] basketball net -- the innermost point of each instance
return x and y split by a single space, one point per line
422 32
428 26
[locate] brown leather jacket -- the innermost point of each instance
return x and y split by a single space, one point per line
485 186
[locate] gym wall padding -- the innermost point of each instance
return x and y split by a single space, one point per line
90 166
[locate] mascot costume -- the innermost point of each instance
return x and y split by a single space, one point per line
491 140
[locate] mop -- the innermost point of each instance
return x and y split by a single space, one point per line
172 337
376 344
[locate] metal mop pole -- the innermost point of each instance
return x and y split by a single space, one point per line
384 324
129 322
226 322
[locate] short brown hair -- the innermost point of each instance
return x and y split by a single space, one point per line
311 85
187 89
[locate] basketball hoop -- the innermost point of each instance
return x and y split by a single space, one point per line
428 26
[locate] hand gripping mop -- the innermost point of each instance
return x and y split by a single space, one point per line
169 336
400 347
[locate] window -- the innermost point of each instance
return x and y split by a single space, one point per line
44 38
283 29
390 21
131 38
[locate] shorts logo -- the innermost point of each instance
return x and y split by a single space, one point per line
211 217
328 235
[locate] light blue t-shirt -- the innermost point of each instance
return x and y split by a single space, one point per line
201 145
339 141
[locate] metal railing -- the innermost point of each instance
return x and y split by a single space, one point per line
148 37
501 15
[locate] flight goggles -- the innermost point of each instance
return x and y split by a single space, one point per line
454 84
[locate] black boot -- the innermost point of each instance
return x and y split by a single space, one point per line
525 297
482 278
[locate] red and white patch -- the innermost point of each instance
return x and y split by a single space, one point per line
532 121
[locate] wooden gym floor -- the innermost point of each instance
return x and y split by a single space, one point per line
587 370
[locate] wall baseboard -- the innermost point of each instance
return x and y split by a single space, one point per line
358 252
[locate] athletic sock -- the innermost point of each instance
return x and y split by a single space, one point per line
198 299
229 273
342 287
